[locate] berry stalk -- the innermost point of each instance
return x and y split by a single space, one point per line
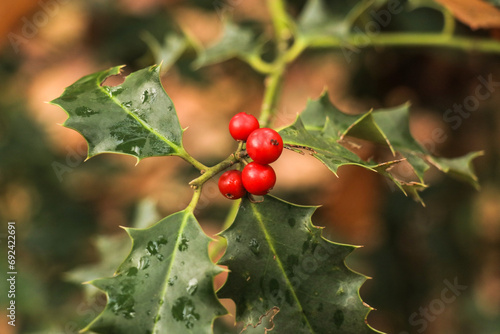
221 166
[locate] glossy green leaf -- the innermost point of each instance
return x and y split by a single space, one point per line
165 285
393 127
278 259
321 127
323 145
236 42
361 126
135 118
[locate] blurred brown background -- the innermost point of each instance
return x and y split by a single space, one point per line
62 204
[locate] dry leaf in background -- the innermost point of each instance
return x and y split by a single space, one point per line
476 14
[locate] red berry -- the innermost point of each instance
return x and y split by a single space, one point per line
242 125
258 179
264 146
231 185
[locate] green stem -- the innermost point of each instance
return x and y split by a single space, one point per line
194 200
212 171
407 40
295 50
274 83
188 158
198 183
274 80
280 20
258 64
449 23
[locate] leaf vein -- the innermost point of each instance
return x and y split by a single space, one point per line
280 264
167 276
141 121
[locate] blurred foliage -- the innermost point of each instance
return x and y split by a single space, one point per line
456 236
53 229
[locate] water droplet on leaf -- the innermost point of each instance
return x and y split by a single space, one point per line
153 247
183 245
132 271
144 262
136 149
192 286
129 315
114 91
162 240
184 310
148 95
172 280
123 303
84 112
254 246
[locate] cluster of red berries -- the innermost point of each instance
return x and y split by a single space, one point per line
264 146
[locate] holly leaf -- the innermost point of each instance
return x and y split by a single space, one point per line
136 118
317 21
461 167
389 127
321 127
323 145
393 129
236 42
164 285
286 277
